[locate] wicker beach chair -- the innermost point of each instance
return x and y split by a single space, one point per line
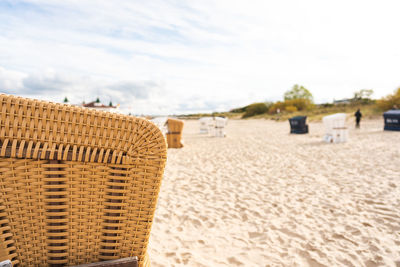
298 125
206 125
76 185
174 134
219 126
335 127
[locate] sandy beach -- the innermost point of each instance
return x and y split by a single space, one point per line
263 197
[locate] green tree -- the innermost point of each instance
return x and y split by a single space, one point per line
363 94
65 100
298 92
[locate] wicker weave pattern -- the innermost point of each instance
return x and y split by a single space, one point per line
76 185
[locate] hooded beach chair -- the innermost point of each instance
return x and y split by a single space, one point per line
174 134
206 125
335 127
298 125
76 185
392 120
219 126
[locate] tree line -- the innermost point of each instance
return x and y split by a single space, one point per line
299 98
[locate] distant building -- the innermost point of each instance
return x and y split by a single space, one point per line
99 106
342 101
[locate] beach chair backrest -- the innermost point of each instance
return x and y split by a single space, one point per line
219 127
333 121
220 122
76 185
205 124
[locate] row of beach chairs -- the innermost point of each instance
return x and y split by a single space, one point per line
80 186
335 127
213 126
172 128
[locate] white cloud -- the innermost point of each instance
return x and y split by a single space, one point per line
10 80
178 56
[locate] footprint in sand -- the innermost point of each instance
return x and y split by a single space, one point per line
196 223
255 234
234 261
170 254
186 256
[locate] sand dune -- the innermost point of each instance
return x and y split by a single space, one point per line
262 197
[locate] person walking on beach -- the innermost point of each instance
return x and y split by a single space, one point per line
358 118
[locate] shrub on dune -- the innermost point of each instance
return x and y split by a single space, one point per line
291 109
255 109
390 101
300 104
291 105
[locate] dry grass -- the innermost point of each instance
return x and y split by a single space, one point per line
370 111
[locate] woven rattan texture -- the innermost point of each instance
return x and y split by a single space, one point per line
174 134
76 185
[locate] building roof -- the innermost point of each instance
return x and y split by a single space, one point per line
95 104
342 101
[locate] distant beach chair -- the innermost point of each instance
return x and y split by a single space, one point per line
206 125
76 185
335 127
174 134
392 120
298 125
218 129
220 124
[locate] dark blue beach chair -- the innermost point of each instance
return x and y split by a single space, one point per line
298 125
392 120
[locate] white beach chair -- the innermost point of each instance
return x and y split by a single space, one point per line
206 124
219 126
335 126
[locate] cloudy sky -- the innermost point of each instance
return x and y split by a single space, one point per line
182 56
